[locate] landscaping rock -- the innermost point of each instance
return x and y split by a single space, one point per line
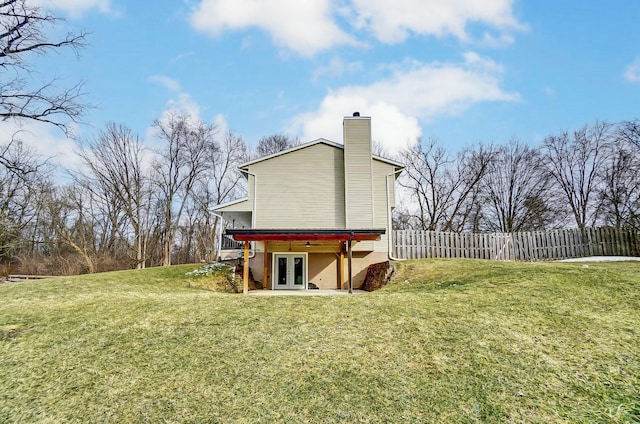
378 275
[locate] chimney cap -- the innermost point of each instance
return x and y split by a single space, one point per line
355 114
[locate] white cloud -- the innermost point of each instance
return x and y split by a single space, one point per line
182 57
75 8
48 142
415 92
304 27
165 81
181 102
308 27
489 40
632 72
220 121
392 21
337 67
392 128
185 104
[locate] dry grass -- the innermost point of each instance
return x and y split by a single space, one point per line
448 341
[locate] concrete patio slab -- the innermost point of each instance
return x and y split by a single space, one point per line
334 292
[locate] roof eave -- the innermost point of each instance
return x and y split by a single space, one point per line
291 149
244 167
231 203
306 234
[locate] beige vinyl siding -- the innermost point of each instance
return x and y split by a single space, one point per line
301 189
380 172
244 206
388 169
380 218
358 173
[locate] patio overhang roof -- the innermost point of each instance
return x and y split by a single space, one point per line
305 235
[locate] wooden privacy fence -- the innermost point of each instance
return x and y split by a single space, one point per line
529 246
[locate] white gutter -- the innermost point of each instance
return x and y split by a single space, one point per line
390 221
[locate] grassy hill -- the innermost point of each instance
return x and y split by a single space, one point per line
447 341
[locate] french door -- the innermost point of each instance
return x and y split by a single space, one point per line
290 271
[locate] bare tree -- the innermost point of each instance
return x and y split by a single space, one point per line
629 133
115 160
620 190
22 174
444 187
425 167
275 143
223 175
223 183
576 161
403 219
471 166
71 218
179 165
25 30
515 190
379 149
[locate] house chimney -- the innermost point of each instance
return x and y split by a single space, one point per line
358 172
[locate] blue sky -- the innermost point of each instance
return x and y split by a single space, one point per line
462 71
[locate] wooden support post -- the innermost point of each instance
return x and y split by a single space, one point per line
341 268
349 253
265 256
245 268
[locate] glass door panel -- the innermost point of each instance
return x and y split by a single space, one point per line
298 271
282 270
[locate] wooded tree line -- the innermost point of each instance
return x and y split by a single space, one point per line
131 206
580 178
127 206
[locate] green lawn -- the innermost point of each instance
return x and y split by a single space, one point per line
448 341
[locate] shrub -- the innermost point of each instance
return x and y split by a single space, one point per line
214 276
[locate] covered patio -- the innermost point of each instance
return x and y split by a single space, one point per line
345 237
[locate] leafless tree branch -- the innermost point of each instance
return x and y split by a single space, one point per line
25 30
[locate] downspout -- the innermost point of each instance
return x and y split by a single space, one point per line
253 213
219 235
390 221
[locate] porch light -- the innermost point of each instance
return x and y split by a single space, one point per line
308 245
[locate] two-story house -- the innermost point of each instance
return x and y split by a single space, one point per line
316 213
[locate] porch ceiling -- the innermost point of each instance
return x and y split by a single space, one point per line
305 235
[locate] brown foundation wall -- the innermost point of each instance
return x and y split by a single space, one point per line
323 268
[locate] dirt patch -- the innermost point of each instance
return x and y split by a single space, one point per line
10 333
